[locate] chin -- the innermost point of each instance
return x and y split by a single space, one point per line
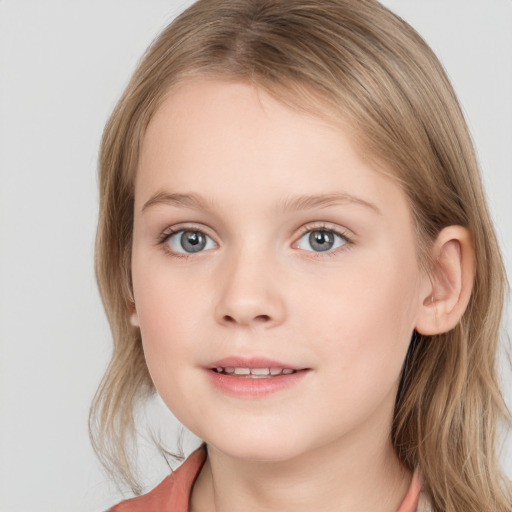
261 447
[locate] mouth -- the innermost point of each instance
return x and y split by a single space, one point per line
253 373
254 377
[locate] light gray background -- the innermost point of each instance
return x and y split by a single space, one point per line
62 66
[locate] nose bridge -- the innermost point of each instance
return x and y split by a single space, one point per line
248 289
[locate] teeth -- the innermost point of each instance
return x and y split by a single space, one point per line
257 372
260 371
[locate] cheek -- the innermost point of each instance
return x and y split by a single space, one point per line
364 316
168 308
168 316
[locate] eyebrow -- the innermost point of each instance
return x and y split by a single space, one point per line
305 202
296 203
191 201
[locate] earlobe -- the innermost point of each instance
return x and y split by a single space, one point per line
451 281
134 318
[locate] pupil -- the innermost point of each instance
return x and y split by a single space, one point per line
321 240
193 241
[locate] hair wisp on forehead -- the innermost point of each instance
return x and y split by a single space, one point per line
363 65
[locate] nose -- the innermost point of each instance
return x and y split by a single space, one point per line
249 293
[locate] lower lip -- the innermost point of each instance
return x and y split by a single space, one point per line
249 387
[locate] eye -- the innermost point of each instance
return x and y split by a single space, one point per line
321 240
184 241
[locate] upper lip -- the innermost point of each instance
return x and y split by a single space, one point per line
251 362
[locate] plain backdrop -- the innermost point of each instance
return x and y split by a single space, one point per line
62 66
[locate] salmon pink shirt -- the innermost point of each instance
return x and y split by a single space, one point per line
173 493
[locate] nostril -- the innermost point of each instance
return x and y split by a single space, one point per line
259 318
262 318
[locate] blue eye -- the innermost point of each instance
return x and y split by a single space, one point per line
190 241
321 240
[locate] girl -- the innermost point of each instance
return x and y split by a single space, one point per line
295 253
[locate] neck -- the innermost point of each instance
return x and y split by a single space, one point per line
341 476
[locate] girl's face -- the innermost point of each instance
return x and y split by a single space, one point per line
264 241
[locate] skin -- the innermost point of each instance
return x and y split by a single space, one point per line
258 289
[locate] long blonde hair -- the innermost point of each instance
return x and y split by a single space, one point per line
371 68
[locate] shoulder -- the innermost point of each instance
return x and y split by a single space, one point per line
172 494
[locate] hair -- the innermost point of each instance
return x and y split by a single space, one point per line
367 66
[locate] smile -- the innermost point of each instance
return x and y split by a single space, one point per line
254 377
253 373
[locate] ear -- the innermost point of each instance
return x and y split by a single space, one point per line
134 318
447 294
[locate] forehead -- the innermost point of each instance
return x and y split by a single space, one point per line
229 138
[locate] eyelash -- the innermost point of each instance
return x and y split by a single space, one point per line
169 232
343 234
